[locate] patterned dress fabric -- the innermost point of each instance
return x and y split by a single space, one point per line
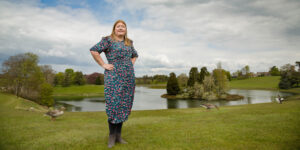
119 83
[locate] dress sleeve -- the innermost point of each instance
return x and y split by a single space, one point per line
134 52
101 46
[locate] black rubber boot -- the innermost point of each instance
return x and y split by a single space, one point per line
118 134
112 134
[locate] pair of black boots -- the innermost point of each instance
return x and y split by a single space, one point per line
115 134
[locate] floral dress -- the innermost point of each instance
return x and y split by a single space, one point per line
119 83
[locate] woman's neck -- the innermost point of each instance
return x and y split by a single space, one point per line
119 38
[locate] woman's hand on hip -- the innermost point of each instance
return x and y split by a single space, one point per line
108 66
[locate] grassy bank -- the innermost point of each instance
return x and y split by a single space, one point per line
261 83
78 92
258 126
264 83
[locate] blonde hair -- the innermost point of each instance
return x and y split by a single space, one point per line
127 41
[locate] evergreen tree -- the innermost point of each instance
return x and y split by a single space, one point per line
193 76
172 85
202 74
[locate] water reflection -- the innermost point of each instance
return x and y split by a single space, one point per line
149 99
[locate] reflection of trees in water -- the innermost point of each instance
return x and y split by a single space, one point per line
68 107
249 100
77 108
172 103
193 103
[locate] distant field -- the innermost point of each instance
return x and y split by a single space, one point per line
268 126
267 83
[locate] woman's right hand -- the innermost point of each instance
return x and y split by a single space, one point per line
108 66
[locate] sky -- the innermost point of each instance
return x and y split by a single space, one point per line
169 35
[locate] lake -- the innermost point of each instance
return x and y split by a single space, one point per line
149 99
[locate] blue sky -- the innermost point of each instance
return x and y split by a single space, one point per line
169 35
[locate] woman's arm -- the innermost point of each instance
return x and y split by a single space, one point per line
100 61
133 60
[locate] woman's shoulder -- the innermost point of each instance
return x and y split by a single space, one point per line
107 38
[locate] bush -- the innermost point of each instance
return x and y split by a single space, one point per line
46 95
172 85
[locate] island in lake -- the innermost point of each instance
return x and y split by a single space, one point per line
202 86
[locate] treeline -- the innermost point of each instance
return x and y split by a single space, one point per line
156 79
215 84
69 77
23 77
290 78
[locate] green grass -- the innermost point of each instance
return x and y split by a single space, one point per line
264 83
78 92
257 126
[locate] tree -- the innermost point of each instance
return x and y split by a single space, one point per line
298 64
228 75
21 74
23 77
209 83
160 78
202 74
68 78
246 72
289 77
192 76
100 80
59 78
46 93
182 80
78 78
221 80
49 73
274 71
172 85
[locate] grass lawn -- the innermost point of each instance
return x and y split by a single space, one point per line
78 92
256 126
264 83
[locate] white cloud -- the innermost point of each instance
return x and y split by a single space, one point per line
171 36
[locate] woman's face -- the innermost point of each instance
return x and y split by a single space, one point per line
120 29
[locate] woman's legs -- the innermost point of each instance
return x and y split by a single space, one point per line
112 134
118 134
115 134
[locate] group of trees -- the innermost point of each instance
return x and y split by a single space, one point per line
23 77
95 78
290 78
69 77
156 79
203 84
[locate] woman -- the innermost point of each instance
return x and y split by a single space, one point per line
119 78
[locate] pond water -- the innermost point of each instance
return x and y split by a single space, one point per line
149 99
